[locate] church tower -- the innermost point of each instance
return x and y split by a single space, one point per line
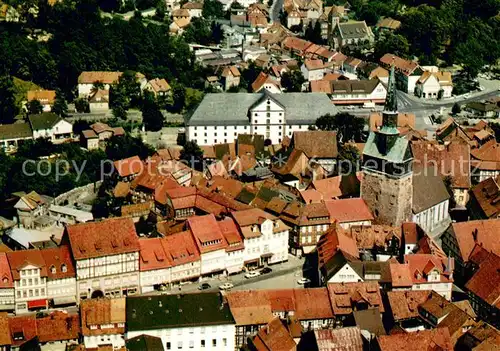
387 185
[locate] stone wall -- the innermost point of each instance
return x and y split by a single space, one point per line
78 194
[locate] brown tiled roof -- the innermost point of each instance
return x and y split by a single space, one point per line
400 275
487 235
485 283
100 127
128 166
404 304
6 280
22 325
340 339
251 216
159 85
262 79
5 338
421 264
388 23
312 303
192 5
349 210
321 86
404 120
489 151
274 337
170 227
296 44
282 300
55 258
318 144
296 164
92 239
161 191
58 326
249 307
334 240
335 187
44 96
20 259
423 340
345 296
231 70
452 159
205 230
152 255
89 134
102 311
487 196
405 66
102 77
180 248
276 205
180 13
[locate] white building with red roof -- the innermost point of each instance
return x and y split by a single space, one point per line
7 300
265 237
181 250
61 276
106 257
211 243
429 272
154 266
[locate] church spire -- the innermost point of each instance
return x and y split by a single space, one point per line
391 101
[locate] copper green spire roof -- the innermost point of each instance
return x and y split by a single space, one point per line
391 101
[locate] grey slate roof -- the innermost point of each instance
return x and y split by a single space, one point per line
173 311
144 343
353 30
428 189
15 131
44 120
232 109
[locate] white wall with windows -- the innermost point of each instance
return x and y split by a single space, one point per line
202 338
31 286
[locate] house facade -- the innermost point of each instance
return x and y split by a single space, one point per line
51 126
7 292
13 135
355 92
105 266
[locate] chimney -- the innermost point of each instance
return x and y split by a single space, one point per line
267 329
474 234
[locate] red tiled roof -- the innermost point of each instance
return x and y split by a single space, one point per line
332 241
206 231
161 191
332 187
339 339
152 255
349 210
423 340
251 216
249 307
490 151
405 66
422 264
208 206
58 326
128 166
231 234
368 237
312 303
6 280
485 283
93 239
274 337
20 259
102 311
5 338
400 275
282 300
180 248
22 325
321 86
56 259
487 235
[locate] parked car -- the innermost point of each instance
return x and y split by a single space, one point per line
265 270
303 281
204 286
252 274
226 286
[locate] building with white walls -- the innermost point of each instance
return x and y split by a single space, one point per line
183 322
220 117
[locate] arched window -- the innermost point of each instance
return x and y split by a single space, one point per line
52 269
64 268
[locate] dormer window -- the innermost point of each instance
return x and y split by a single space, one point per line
52 269
5 280
64 268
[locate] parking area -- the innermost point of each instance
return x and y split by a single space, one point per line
283 275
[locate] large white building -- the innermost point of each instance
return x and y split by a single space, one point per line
106 256
221 117
183 322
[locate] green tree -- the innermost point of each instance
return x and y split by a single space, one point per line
349 159
392 43
192 155
8 108
198 31
178 99
456 109
80 125
151 115
292 81
212 9
82 105
119 100
120 147
347 126
60 106
34 107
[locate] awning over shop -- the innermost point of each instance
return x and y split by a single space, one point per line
267 255
64 300
37 303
